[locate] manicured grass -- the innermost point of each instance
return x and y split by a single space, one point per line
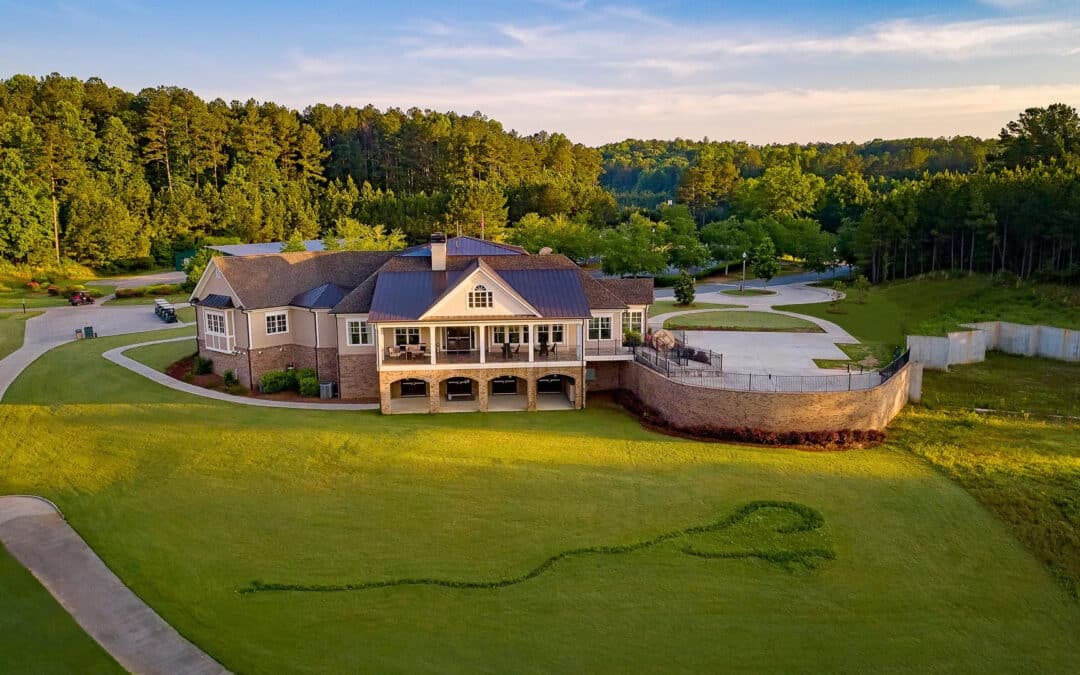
748 292
12 330
191 500
666 306
37 635
14 292
748 321
1007 383
149 299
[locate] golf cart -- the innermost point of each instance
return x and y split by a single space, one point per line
81 298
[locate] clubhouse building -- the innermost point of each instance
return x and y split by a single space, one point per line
457 324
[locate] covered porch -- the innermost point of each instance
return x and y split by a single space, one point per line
463 343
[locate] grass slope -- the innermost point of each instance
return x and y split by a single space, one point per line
190 500
934 306
748 321
12 330
37 635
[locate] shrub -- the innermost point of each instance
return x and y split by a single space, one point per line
305 372
862 289
162 289
631 338
129 293
202 366
230 379
274 381
53 289
309 386
684 288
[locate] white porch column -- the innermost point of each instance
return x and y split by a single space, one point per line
581 341
483 343
376 333
431 344
532 336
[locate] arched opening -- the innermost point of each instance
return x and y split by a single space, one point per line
507 393
459 394
556 392
409 395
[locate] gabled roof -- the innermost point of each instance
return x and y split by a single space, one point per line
275 280
631 291
468 246
599 296
323 296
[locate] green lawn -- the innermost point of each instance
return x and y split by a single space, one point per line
12 330
666 306
191 500
748 321
37 635
1007 383
14 292
748 292
935 306
149 299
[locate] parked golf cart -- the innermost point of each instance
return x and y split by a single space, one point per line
81 298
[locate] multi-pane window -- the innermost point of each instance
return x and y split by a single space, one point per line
600 328
633 322
278 322
406 336
480 296
359 333
217 333
550 334
512 334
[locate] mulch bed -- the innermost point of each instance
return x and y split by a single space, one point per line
181 368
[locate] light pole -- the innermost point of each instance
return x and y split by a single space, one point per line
743 283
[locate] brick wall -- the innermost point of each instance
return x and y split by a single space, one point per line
278 358
357 377
607 375
236 362
327 364
688 406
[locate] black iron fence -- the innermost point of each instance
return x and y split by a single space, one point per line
676 365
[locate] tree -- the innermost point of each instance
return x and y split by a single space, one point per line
727 240
764 262
478 208
684 288
573 238
684 246
782 191
294 244
355 236
24 210
1041 135
197 265
634 247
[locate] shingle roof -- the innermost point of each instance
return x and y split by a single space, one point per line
274 280
631 291
599 295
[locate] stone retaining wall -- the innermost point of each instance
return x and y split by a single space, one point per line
691 407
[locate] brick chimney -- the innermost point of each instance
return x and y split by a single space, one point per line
438 252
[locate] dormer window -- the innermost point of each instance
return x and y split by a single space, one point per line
480 297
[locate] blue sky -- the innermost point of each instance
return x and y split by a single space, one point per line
598 71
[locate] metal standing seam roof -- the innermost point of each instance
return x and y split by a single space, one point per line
324 296
216 301
263 248
405 296
468 246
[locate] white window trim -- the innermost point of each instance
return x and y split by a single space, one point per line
273 315
367 335
550 331
215 341
407 331
600 326
630 314
481 297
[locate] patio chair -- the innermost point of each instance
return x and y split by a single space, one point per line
414 351
394 352
515 351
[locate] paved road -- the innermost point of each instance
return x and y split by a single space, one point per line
58 325
803 278
36 534
143 280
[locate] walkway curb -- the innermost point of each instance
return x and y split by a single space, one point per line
35 533
116 356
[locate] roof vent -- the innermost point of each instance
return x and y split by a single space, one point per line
545 251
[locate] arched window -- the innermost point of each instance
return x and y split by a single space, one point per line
480 296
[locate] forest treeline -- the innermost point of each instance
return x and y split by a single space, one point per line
95 174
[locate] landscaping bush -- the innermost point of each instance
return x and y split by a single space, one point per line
274 381
203 366
309 385
230 379
163 289
684 288
631 338
129 293
862 289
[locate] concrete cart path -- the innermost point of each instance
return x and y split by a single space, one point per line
36 534
117 356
